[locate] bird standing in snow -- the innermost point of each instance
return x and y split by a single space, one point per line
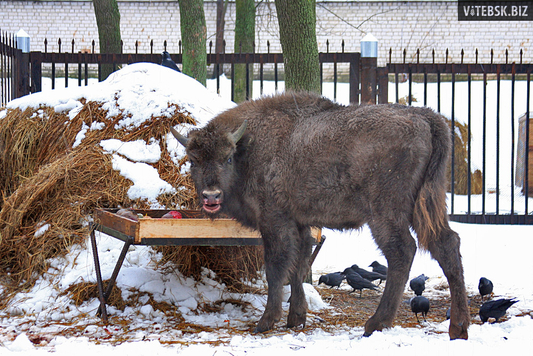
371 276
418 284
332 279
485 287
166 61
379 268
357 282
420 304
495 309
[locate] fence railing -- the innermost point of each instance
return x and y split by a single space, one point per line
488 107
9 73
35 65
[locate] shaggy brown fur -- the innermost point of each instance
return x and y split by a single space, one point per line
305 161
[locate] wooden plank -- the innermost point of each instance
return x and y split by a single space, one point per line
233 241
192 228
529 146
115 222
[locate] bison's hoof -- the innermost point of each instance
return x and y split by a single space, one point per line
263 326
296 320
259 330
373 325
369 331
295 325
459 331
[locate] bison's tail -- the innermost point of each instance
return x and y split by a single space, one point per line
430 214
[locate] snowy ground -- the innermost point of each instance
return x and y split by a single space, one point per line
55 324
44 320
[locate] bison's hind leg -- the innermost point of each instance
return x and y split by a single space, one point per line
445 249
399 249
298 305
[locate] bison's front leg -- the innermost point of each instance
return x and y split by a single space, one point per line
298 308
279 255
273 310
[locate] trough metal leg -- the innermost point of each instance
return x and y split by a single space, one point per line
99 281
317 250
309 277
102 311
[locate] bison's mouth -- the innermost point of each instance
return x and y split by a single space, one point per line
211 208
212 200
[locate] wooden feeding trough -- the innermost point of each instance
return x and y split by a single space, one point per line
191 229
148 227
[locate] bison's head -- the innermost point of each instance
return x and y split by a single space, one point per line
211 152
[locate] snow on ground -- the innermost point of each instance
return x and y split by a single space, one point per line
44 320
489 251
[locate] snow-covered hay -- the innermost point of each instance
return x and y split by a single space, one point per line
65 153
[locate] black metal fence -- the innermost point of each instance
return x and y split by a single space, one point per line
9 73
83 66
487 104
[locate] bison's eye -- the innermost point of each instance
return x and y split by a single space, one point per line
230 160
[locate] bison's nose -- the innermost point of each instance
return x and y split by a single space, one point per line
212 200
212 196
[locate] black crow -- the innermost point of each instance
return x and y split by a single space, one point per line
168 62
495 309
332 279
418 284
485 287
371 276
420 304
379 268
357 282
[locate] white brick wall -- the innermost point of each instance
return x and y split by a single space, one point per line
426 25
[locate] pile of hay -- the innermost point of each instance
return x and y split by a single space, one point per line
55 173
461 170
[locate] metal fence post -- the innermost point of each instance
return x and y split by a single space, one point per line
22 74
369 63
354 77
383 85
36 72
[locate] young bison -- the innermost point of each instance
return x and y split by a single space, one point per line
285 163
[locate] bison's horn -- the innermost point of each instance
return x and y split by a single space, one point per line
240 131
181 139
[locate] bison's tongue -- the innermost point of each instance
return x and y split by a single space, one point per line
211 208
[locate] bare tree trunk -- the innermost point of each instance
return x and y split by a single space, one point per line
108 22
193 34
219 36
297 30
244 43
221 22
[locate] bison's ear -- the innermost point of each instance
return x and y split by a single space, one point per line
236 136
181 139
